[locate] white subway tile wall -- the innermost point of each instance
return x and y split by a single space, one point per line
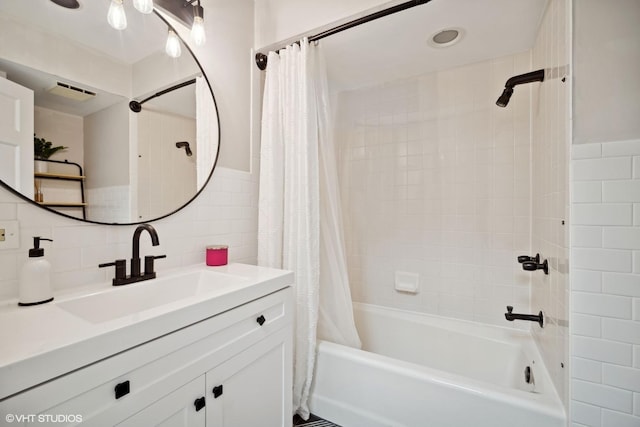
109 204
605 307
435 180
550 189
224 213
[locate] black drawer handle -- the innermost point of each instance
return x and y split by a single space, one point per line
122 389
217 391
261 320
199 403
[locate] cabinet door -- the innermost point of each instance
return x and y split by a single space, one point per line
253 387
181 407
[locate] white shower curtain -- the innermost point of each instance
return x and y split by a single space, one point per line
299 225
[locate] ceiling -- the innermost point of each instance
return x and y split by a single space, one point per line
40 82
396 46
88 26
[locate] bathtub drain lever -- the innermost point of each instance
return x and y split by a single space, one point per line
511 316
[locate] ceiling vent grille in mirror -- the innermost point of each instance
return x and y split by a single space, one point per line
71 92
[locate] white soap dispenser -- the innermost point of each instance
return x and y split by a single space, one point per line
35 282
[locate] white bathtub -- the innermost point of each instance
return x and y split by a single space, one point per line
418 370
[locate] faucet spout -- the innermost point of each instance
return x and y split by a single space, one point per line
135 257
121 264
511 316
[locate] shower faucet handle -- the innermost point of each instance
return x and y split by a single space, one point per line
527 258
510 308
533 266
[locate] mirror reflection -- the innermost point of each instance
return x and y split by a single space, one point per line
125 132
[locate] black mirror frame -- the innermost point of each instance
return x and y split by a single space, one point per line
213 168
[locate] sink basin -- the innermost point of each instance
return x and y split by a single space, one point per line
137 297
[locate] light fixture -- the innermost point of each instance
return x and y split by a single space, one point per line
172 47
197 29
143 6
116 16
446 37
189 12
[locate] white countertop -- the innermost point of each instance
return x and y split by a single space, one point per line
42 342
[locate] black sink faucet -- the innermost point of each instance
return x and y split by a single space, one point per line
511 316
121 277
135 252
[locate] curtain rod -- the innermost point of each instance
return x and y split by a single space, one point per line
136 106
261 58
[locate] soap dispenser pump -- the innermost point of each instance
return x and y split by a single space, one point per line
35 282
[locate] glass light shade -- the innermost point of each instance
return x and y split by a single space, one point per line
198 35
116 16
144 6
172 47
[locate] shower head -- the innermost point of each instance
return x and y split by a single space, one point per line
504 98
533 76
185 144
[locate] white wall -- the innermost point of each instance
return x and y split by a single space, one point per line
607 86
166 176
66 130
550 190
605 239
159 71
435 181
224 213
106 151
60 129
227 60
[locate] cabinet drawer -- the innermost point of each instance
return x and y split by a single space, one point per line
179 408
155 368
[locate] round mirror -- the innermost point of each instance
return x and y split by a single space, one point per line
99 124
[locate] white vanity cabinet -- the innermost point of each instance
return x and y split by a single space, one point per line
244 354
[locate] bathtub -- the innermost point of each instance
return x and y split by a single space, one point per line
418 370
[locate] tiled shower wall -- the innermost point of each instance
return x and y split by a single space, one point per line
435 180
549 190
605 311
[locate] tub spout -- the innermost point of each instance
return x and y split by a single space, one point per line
511 316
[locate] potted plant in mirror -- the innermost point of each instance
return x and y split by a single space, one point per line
42 150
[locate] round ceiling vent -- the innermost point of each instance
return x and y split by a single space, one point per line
446 37
69 4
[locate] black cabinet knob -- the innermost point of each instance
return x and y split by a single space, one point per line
217 391
122 389
261 320
199 403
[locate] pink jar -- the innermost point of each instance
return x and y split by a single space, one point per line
217 255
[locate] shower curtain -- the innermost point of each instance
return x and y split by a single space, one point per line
299 225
